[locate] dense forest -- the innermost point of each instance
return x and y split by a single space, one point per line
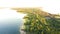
39 22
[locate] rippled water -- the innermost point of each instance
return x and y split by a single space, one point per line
10 26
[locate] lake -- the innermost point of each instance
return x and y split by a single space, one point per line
10 26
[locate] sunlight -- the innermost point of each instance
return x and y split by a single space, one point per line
51 6
7 13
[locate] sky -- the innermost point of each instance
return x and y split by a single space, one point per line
51 6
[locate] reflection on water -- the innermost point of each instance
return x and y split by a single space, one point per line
10 26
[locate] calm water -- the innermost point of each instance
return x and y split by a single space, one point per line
10 26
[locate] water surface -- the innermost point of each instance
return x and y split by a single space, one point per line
10 26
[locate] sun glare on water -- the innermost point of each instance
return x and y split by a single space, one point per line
9 13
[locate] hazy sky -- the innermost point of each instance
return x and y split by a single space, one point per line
51 6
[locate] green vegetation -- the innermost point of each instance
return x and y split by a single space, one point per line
36 22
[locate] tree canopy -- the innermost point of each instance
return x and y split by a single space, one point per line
36 21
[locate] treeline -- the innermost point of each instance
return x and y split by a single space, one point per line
39 22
